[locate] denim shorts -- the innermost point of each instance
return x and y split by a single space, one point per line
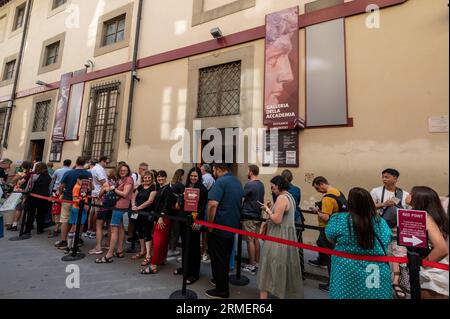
117 218
74 216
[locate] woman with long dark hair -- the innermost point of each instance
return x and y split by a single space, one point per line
434 282
194 180
38 184
361 231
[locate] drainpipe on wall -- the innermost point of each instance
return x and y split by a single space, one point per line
134 77
4 142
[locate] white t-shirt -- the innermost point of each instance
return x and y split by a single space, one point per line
378 192
98 174
208 181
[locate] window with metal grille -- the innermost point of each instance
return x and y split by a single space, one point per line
101 121
51 53
9 70
2 121
41 116
58 3
20 15
219 90
114 30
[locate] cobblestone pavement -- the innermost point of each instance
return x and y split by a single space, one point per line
33 269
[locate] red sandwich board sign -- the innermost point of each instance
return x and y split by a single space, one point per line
412 228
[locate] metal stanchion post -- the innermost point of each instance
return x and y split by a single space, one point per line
76 255
185 293
22 226
300 250
414 263
238 279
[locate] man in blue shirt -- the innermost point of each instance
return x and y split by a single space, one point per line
296 193
224 208
66 187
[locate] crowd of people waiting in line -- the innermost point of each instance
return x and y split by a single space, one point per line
362 223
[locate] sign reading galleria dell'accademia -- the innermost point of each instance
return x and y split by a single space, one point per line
281 69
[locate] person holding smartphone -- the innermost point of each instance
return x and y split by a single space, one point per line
388 198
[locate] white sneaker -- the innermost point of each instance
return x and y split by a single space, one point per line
173 253
250 269
205 259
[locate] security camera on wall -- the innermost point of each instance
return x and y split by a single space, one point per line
89 64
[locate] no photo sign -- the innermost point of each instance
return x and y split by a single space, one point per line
412 228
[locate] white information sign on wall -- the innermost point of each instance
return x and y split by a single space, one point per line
438 124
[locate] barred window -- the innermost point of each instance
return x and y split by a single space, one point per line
41 116
101 121
2 121
219 90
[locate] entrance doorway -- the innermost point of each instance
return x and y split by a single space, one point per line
37 150
223 151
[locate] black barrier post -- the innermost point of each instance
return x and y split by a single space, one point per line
22 226
238 279
414 263
300 250
76 255
185 293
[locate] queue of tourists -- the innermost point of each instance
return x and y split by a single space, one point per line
153 201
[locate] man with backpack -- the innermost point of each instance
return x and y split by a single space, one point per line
388 198
333 201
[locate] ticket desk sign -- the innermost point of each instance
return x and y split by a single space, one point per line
191 199
412 228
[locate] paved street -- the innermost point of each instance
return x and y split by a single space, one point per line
33 269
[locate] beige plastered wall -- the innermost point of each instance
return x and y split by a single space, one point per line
79 22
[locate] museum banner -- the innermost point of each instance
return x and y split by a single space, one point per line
281 82
61 108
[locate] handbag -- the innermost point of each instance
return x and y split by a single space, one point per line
263 229
110 199
390 213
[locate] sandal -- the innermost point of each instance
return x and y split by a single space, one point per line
146 262
149 271
138 256
119 255
399 291
191 280
104 260
179 271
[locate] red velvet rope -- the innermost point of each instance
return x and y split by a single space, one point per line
327 251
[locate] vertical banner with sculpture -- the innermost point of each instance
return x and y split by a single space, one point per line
61 108
74 108
281 88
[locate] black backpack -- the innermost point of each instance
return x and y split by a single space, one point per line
341 201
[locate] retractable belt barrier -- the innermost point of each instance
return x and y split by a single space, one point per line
277 240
